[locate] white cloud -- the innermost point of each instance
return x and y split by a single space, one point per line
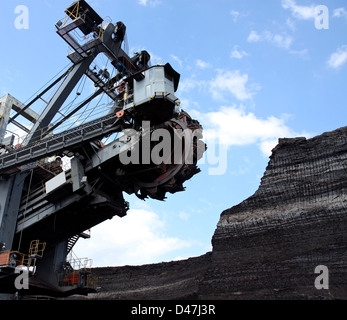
184 216
188 84
282 41
232 82
151 3
338 58
155 59
290 23
237 53
298 11
279 40
202 64
267 146
136 239
177 59
300 53
235 15
254 36
226 82
233 126
340 12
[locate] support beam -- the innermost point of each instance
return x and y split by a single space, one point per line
83 104
22 109
40 95
77 174
10 196
5 111
9 103
20 126
59 98
52 265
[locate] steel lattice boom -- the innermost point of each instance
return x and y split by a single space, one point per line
45 208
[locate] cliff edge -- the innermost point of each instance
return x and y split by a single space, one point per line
268 246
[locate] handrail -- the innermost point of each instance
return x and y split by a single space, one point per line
74 12
57 143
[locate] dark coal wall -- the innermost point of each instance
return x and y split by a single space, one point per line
268 246
164 281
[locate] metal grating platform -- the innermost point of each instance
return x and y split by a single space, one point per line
57 143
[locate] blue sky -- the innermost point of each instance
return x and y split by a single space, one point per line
251 72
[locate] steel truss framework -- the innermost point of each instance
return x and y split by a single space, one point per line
90 192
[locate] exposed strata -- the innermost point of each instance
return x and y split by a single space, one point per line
163 281
268 246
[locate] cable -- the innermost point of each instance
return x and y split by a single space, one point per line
49 81
102 95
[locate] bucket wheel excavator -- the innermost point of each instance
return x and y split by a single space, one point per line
67 175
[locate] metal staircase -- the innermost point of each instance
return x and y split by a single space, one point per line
72 241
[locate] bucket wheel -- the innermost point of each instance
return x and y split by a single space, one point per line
170 176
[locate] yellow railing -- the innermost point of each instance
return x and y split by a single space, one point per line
15 258
73 14
37 248
101 33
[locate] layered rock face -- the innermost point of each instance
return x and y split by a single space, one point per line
269 246
164 281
